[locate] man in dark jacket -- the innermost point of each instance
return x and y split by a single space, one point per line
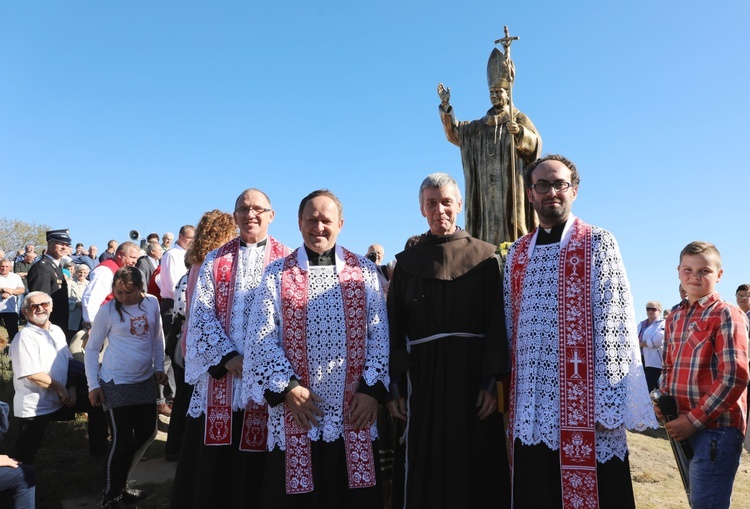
46 276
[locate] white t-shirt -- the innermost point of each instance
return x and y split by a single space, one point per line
12 280
35 350
172 269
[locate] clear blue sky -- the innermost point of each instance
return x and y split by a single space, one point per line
143 115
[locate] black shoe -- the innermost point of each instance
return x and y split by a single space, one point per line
133 494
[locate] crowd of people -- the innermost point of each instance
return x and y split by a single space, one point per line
507 376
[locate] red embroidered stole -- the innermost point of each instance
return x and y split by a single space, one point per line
576 366
294 293
218 429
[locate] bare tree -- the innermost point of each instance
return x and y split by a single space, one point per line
15 234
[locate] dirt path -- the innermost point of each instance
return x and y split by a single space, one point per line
656 480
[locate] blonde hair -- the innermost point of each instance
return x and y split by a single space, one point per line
655 304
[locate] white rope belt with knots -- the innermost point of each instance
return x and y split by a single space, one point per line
410 342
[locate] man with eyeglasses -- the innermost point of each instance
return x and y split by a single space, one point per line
223 448
46 276
577 381
743 299
49 384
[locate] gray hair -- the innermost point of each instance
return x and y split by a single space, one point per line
438 180
151 247
27 299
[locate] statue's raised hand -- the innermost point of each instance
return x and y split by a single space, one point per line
444 93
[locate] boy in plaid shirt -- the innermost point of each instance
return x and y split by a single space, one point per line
706 370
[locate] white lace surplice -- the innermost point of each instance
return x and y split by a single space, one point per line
621 399
326 346
207 342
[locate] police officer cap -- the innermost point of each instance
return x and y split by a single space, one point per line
62 236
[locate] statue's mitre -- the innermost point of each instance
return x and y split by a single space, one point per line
500 71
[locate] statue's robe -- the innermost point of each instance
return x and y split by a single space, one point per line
490 193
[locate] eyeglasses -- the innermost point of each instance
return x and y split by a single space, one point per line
741 296
256 210
651 309
44 305
543 187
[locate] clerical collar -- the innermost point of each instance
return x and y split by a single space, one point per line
259 244
325 258
552 236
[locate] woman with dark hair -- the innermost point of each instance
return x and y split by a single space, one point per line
124 384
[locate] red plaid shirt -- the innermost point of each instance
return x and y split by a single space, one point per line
705 362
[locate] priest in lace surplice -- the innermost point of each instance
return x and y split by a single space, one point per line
319 334
577 379
224 447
